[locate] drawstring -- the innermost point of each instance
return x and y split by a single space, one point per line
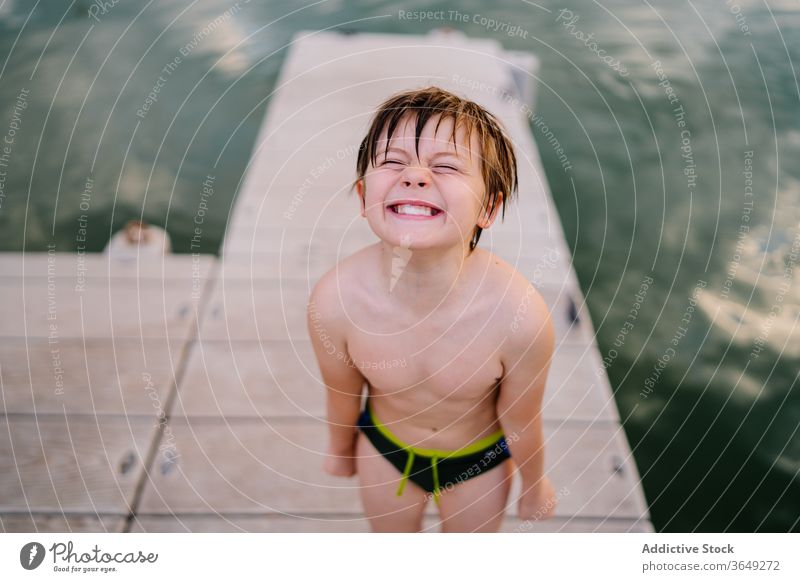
406 472
435 469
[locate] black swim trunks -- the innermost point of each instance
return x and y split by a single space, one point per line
434 469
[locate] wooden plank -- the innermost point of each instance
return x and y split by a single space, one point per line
258 310
157 308
181 523
592 464
276 379
577 525
348 523
258 467
93 376
77 266
411 59
250 240
71 464
278 266
331 166
247 466
575 387
323 203
60 523
268 168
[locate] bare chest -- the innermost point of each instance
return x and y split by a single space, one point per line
426 364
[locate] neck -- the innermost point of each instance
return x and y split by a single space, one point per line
426 280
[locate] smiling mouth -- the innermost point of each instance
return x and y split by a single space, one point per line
414 210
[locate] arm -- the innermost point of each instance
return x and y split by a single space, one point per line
343 381
526 361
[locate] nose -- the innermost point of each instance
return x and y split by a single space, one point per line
414 176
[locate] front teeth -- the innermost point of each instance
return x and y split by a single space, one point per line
414 209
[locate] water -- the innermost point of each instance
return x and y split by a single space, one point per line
686 244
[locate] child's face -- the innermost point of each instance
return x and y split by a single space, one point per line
446 182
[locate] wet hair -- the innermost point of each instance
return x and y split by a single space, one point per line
498 161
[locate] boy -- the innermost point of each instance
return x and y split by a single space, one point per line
453 344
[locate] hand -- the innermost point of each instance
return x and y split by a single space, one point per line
537 502
339 464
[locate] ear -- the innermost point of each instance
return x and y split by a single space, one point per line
361 196
485 220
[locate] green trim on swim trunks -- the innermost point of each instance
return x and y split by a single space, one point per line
435 454
475 447
471 449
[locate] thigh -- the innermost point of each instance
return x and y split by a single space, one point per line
477 504
379 480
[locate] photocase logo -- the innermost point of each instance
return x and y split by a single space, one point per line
400 258
31 555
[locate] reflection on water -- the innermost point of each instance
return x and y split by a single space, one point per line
147 101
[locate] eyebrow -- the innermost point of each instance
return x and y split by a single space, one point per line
392 149
453 154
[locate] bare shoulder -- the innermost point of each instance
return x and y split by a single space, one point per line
522 308
513 287
340 286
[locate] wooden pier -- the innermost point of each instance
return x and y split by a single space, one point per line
181 394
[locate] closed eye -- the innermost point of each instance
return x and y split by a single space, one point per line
392 162
445 167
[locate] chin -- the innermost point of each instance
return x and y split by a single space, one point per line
415 238
402 240
420 242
